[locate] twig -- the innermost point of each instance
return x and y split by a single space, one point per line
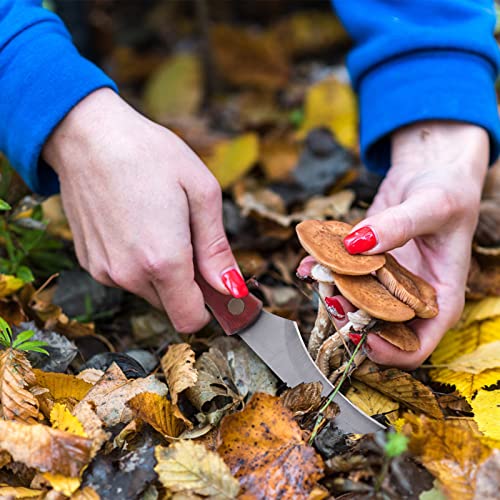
321 414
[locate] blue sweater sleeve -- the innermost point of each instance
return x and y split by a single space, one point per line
421 60
42 77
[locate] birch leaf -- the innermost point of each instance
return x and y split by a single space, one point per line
369 400
178 366
16 374
486 407
191 468
9 492
62 386
485 357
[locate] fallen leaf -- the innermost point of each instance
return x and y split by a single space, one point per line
61 418
231 159
16 376
9 285
14 492
251 262
58 223
371 401
335 206
480 310
249 59
174 88
278 156
63 484
486 408
485 357
191 468
92 425
90 375
160 413
265 450
303 398
487 478
214 393
458 342
86 493
449 450
400 386
46 449
114 390
332 104
62 386
178 366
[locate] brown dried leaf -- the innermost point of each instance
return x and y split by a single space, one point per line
303 398
14 492
92 425
400 386
449 450
487 478
249 59
114 390
86 493
62 386
16 374
264 448
370 401
178 366
46 449
160 413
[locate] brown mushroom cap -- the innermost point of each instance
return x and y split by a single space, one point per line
367 293
397 334
324 240
408 288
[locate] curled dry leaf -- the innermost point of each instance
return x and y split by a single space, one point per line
370 401
190 468
459 342
265 450
486 408
110 395
46 449
450 450
400 386
160 413
90 375
303 398
16 375
178 366
92 425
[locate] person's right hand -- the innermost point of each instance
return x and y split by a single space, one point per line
142 208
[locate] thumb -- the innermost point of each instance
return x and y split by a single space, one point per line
213 254
395 226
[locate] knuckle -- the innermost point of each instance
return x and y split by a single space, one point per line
157 266
218 247
191 325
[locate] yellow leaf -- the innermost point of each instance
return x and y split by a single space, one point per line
480 310
233 158
266 451
178 366
62 419
11 492
175 88
332 104
450 450
486 407
278 156
9 284
62 386
458 342
369 400
16 375
160 413
191 468
486 356
63 484
86 493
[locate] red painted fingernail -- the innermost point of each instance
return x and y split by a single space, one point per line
360 241
335 307
234 283
356 338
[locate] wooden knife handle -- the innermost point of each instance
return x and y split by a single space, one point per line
233 315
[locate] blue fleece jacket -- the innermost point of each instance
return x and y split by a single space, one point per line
413 60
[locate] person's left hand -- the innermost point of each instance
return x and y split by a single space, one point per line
425 214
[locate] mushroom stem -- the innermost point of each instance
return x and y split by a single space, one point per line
322 325
358 321
327 352
358 359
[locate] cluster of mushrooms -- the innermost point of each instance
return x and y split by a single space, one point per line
386 294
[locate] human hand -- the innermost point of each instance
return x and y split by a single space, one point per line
425 213
142 206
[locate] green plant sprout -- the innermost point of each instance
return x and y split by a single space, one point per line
22 342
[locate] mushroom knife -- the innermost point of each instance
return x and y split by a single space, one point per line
277 341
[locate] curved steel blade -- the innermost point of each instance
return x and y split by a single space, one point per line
277 341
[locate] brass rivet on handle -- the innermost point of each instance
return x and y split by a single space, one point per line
236 306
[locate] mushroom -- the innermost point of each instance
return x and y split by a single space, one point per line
397 334
324 240
322 324
329 356
408 288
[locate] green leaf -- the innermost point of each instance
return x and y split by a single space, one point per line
4 205
396 444
24 273
34 345
22 337
4 327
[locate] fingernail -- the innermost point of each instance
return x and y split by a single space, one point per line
356 338
234 283
335 307
360 241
